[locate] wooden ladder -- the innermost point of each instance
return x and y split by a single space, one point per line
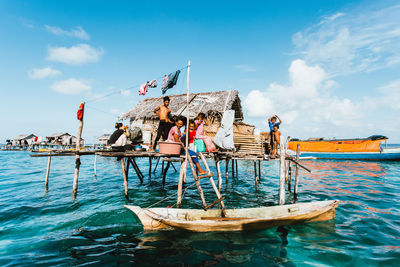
210 176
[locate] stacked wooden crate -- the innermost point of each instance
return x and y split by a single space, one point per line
249 144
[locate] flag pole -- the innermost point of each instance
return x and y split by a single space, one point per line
187 114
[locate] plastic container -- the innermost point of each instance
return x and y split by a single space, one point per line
200 146
147 137
169 148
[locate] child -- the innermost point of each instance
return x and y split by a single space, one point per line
271 123
276 137
199 126
192 134
175 135
163 112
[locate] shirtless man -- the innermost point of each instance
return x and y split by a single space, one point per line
163 112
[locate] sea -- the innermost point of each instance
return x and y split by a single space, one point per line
50 229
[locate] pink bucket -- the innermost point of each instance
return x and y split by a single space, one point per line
170 148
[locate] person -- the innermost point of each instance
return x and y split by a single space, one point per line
276 137
120 136
199 126
272 121
175 135
192 135
163 112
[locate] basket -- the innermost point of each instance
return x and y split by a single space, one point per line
169 148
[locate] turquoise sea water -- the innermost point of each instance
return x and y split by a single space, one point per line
49 229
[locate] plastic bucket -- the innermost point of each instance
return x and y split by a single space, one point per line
170 148
200 146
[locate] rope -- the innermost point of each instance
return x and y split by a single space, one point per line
120 91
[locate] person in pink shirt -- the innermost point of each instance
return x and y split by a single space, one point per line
175 135
200 122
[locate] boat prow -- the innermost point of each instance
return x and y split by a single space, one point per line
198 220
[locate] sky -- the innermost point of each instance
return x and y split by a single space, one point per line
326 68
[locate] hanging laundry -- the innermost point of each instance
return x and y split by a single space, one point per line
152 83
169 81
143 88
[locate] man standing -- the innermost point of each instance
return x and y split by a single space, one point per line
163 112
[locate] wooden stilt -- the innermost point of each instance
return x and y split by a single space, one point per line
282 174
233 167
77 160
289 177
46 181
296 172
150 158
255 173
197 181
127 162
218 166
165 172
124 174
136 168
236 166
95 166
227 170
182 173
259 169
155 168
162 167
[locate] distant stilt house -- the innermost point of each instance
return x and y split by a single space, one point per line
63 139
103 139
213 104
24 139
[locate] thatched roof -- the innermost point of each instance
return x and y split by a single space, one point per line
104 137
209 103
24 137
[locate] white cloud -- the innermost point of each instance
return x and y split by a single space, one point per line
391 94
364 39
71 86
43 73
78 32
304 103
75 55
244 68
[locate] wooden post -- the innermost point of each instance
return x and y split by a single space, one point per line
290 177
203 200
125 175
255 172
236 166
282 174
182 172
46 182
227 170
259 169
150 158
296 173
218 165
77 158
233 168
95 165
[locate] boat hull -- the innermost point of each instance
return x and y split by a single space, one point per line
197 220
386 154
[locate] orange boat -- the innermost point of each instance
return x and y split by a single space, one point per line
364 149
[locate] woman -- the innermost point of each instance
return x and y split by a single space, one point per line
175 135
119 136
199 126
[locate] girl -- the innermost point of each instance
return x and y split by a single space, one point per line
199 126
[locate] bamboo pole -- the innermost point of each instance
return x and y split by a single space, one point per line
95 165
125 175
46 182
187 126
218 165
296 172
197 181
77 160
180 183
282 174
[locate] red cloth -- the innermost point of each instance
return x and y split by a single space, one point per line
79 114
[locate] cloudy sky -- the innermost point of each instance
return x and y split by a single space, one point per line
328 68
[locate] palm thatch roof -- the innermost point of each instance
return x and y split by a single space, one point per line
55 135
211 103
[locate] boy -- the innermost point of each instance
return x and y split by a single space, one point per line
276 137
271 123
163 112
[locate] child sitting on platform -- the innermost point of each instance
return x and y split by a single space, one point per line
175 135
199 126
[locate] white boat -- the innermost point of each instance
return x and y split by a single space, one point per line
198 220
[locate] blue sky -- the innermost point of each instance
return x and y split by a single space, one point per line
328 68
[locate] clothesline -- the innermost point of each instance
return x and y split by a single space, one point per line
120 91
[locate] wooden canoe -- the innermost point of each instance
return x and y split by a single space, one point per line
198 220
